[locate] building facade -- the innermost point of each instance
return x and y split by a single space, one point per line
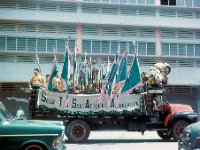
158 29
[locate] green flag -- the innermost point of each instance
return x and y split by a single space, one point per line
133 78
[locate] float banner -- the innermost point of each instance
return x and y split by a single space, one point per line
88 102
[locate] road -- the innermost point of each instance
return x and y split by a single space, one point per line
123 140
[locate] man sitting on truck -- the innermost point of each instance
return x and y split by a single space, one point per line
37 81
58 86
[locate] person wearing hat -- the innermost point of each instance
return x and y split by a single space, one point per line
37 80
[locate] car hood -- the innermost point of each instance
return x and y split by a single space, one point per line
180 108
194 130
33 127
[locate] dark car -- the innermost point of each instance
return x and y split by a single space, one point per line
29 134
190 139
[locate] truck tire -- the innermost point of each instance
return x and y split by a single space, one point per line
34 146
77 131
177 128
164 135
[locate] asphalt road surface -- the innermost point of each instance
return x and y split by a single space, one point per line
123 140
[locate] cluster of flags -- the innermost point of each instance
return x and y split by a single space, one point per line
117 82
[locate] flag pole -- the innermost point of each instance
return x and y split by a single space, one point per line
38 62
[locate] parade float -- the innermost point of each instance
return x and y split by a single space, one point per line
111 97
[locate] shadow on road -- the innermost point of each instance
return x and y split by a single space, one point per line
101 141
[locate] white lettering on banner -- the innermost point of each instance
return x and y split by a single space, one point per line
88 102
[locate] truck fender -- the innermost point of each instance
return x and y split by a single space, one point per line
190 117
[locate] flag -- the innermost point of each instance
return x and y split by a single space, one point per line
121 73
70 68
112 75
133 79
108 67
64 74
122 68
54 68
107 82
38 62
111 94
75 66
65 99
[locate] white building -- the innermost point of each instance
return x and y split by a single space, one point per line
160 29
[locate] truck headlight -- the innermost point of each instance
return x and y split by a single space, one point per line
57 142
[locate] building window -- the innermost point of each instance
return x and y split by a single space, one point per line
131 48
173 49
105 47
2 43
51 45
197 49
114 47
7 27
31 44
132 1
168 2
110 47
41 45
11 44
180 2
26 27
188 3
150 2
72 45
151 49
61 46
141 2
146 48
180 49
190 50
95 46
147 32
123 47
21 44
196 3
165 49
141 48
86 47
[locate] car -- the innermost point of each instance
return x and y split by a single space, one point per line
30 134
190 139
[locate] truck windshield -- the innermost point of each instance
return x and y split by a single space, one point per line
159 100
5 116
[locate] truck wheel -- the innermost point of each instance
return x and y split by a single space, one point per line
34 147
177 128
164 134
77 131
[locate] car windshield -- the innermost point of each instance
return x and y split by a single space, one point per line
5 116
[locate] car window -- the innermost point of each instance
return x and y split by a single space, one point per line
4 114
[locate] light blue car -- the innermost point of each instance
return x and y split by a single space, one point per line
190 139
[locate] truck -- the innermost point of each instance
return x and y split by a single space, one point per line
145 109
